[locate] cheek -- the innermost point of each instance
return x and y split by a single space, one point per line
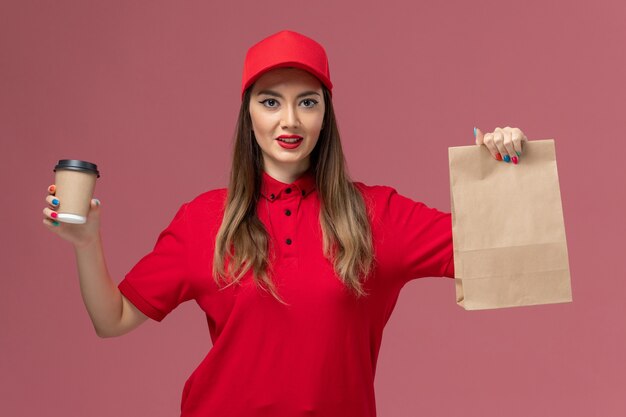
261 124
314 121
255 117
320 119
319 127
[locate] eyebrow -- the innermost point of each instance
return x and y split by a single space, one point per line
274 93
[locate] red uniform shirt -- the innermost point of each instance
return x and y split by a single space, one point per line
316 356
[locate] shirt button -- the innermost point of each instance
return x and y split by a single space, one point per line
288 212
288 241
288 190
272 196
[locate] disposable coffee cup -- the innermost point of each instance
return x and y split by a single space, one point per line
75 182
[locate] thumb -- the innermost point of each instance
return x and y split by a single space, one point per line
478 135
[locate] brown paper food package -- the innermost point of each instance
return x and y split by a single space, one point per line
507 228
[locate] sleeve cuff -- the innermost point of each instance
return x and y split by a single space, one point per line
134 297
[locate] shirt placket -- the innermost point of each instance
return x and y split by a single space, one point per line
286 211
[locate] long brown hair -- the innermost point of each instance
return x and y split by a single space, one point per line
242 238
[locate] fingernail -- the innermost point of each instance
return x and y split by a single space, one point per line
507 158
55 202
55 223
514 159
518 154
95 200
51 188
54 215
474 131
498 156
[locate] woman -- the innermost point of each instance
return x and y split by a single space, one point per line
296 267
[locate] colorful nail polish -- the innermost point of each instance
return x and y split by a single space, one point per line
507 158
54 215
518 154
51 189
514 159
55 223
474 131
55 202
95 200
498 156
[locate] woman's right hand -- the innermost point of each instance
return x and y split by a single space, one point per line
78 234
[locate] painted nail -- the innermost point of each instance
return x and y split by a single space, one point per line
52 188
55 202
95 200
518 154
474 131
498 156
514 159
507 158
54 215
55 223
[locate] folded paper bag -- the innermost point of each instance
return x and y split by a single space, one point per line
507 228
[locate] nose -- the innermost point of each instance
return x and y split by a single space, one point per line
290 117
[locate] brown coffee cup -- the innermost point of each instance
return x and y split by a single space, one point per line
75 182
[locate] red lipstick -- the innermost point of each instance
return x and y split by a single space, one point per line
291 142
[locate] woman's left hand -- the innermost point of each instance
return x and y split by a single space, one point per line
505 144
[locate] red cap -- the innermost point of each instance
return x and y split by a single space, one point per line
286 49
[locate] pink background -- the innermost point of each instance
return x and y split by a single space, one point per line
150 92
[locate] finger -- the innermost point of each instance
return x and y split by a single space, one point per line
52 189
498 140
53 202
488 142
508 145
50 214
94 205
518 139
51 224
523 140
479 136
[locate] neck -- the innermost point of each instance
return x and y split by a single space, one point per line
286 175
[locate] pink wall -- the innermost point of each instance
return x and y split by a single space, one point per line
149 91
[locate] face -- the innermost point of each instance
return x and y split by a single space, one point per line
286 102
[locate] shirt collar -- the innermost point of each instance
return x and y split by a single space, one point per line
272 189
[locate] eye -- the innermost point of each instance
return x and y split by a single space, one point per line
310 100
267 102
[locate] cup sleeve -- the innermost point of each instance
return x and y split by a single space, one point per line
160 281
422 237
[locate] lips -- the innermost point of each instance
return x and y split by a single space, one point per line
289 138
